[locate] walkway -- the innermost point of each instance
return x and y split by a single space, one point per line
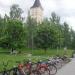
68 69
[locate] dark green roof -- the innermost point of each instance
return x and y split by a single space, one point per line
37 4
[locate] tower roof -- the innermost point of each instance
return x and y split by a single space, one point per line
37 4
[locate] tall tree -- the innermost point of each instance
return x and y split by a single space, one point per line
66 35
6 17
45 36
2 31
31 26
72 37
15 34
16 12
57 27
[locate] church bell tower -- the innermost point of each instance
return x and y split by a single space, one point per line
36 12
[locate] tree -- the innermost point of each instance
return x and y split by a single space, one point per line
16 12
72 37
66 35
6 17
45 37
14 34
57 27
2 32
55 18
31 26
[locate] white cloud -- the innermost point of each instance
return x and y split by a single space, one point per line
71 21
64 8
68 4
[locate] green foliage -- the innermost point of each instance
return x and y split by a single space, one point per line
49 34
45 36
36 55
66 35
72 37
16 12
15 33
31 27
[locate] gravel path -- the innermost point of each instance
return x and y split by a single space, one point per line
68 69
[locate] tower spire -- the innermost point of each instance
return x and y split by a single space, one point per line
36 11
37 4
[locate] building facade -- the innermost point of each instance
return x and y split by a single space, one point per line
36 12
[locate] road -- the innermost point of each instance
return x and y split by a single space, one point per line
68 69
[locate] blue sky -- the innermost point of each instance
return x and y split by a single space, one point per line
64 8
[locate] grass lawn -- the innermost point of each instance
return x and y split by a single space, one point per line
50 52
36 55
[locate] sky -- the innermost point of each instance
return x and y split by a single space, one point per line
63 8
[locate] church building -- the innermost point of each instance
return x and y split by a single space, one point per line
36 12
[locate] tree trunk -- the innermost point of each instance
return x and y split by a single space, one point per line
45 50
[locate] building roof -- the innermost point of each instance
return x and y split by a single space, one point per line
37 4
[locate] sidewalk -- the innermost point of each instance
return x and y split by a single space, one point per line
68 69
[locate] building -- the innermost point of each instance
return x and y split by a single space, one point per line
36 11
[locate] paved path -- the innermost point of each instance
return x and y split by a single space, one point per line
68 69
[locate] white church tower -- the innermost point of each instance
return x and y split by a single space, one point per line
36 12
